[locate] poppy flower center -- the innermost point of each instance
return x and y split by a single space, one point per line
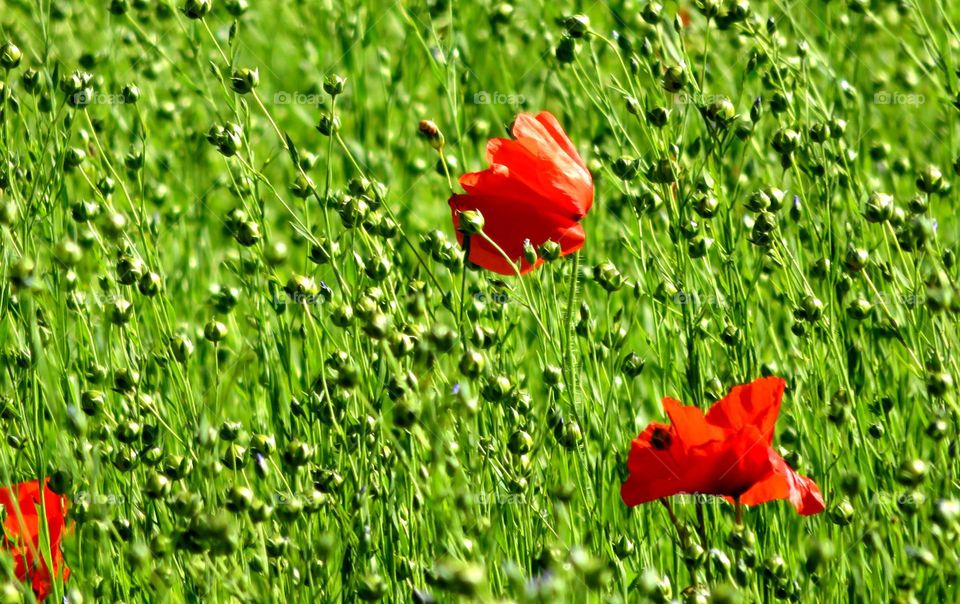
660 439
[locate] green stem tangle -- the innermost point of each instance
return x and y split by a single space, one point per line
570 360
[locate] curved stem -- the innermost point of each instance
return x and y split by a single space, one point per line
463 281
570 360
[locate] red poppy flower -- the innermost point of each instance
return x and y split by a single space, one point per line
537 188
22 529
726 452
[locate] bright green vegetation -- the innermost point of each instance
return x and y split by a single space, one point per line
236 342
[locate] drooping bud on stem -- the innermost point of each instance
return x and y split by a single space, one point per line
430 132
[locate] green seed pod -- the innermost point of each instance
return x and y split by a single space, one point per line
570 435
150 284
121 311
859 309
520 443
302 187
658 117
837 128
129 270
879 208
214 331
552 376
819 133
652 13
811 308
741 538
661 172
930 179
623 547
197 9
706 206
608 276
323 250
157 486
699 246
674 78
83 211
328 125
842 513
694 554
234 457
334 85
125 459
471 222
73 158
297 454
10 56
131 94
780 102
566 51
632 365
939 383
918 204
937 429
91 402
756 110
785 141
626 168
775 568
244 80
550 250
237 8
230 141
177 467
577 26
856 259
912 472
239 499
472 364
768 198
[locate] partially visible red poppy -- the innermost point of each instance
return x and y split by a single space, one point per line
727 452
537 188
22 529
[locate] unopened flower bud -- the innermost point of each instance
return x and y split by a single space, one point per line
197 9
879 208
471 222
244 80
10 56
430 132
334 85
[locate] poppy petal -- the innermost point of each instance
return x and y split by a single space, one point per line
656 465
565 185
690 423
785 483
756 404
27 511
496 180
556 131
